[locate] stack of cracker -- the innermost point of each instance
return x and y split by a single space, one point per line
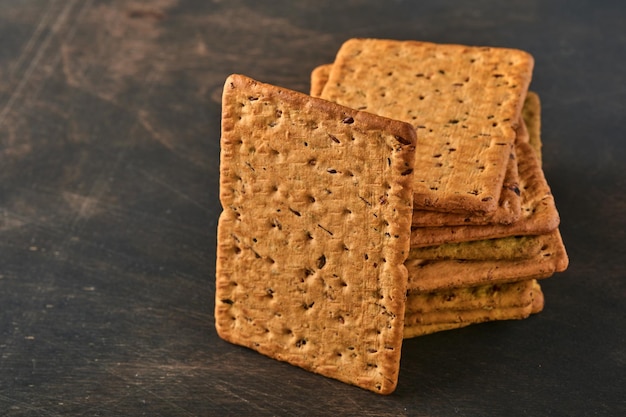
341 234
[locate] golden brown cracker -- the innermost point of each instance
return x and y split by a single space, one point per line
539 213
465 102
418 329
538 298
531 114
505 248
486 297
319 77
472 316
521 133
427 276
419 325
314 232
508 211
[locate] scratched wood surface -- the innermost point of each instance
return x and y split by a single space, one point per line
109 131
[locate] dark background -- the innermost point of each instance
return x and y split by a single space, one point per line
109 150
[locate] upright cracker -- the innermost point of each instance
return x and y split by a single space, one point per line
427 276
317 202
465 101
539 213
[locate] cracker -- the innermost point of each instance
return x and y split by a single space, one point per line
314 231
509 204
508 210
531 114
454 320
415 330
472 316
510 248
477 316
539 213
486 297
538 298
437 275
465 102
319 78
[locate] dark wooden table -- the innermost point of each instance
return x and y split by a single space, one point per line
109 146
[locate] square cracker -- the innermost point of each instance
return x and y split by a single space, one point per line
465 101
509 204
317 203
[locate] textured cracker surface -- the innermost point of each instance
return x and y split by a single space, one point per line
465 102
508 210
509 204
510 248
487 297
317 203
419 325
539 214
436 275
